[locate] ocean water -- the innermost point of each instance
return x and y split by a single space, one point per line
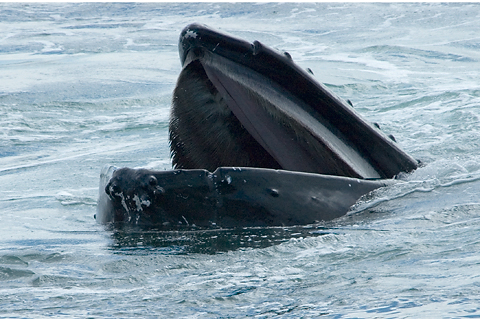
83 85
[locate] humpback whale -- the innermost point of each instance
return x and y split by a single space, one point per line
255 141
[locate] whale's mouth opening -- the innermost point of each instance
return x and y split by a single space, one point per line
205 133
254 118
242 104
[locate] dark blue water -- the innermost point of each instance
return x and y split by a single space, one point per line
88 84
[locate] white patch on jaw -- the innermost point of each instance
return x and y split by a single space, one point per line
190 34
140 202
124 204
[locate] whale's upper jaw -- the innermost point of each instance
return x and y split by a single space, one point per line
296 119
196 36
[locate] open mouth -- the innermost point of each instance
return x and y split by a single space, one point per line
255 141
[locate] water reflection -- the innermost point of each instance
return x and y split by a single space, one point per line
208 241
